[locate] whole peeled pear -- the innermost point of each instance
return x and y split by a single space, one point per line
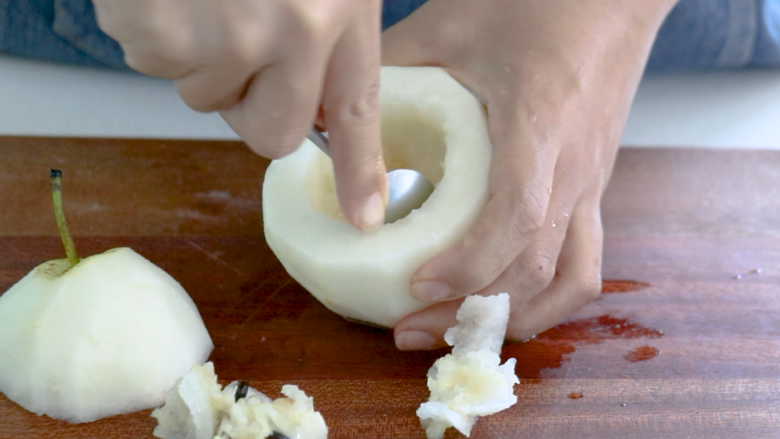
106 335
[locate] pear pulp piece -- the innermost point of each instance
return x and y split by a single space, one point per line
109 336
198 408
471 381
430 123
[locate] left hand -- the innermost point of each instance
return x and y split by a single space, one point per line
558 78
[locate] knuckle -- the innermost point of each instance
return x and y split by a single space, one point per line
542 271
528 211
168 59
361 110
239 53
243 46
150 27
169 38
177 44
314 20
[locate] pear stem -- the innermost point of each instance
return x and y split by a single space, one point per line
59 215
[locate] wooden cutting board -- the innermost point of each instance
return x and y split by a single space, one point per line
684 342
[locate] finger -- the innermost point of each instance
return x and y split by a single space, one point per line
535 268
279 106
153 64
221 83
529 274
218 86
156 38
578 283
425 329
351 112
521 173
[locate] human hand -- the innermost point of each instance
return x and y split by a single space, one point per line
266 66
558 78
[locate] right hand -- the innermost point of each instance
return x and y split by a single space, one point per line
268 66
557 78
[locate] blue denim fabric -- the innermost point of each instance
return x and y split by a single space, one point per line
697 35
394 11
718 34
63 31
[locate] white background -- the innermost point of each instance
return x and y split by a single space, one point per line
723 110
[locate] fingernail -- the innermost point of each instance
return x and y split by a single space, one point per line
414 340
373 214
430 290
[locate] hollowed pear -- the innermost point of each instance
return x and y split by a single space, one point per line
430 123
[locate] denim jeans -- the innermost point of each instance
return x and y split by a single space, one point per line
697 35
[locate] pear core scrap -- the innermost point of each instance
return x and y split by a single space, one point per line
197 407
431 124
109 336
471 381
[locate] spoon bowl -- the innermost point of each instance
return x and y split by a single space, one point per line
407 189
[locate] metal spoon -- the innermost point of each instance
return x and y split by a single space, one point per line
407 189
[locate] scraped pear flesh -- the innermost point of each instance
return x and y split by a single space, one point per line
197 407
84 339
470 381
430 123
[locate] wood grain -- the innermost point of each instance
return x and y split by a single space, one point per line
680 227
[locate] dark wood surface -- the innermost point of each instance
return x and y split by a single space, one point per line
684 342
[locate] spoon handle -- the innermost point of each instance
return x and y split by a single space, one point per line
319 139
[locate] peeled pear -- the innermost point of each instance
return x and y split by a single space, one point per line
470 381
430 123
86 339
